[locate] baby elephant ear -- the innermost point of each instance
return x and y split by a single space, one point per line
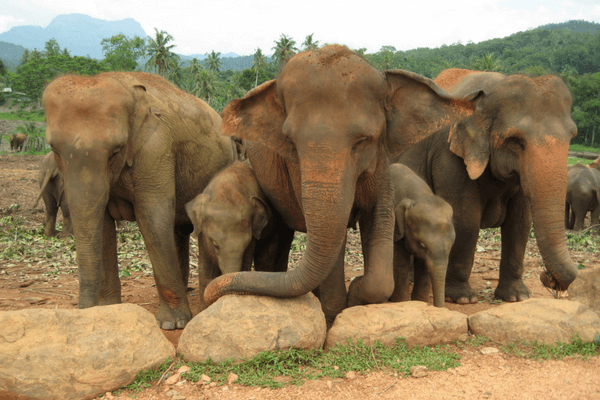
400 211
195 210
260 217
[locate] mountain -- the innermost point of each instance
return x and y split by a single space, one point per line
10 54
577 26
80 34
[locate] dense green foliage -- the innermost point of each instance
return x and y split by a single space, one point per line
570 50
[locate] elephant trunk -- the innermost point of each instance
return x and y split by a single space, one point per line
544 183
87 201
436 268
327 199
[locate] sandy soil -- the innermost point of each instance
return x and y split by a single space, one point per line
43 274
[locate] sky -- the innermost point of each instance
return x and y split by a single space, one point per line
242 26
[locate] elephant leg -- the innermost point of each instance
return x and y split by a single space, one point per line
332 292
272 253
110 287
567 214
67 225
514 233
595 216
156 222
460 264
422 286
402 267
580 208
182 243
377 232
51 213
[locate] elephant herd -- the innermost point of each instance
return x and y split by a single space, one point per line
418 165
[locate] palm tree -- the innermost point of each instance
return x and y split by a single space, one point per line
159 52
284 49
207 84
175 73
213 61
259 62
309 44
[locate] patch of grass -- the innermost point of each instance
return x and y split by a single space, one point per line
37 115
299 242
586 240
582 148
575 160
540 351
277 368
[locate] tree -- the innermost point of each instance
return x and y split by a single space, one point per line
285 48
309 44
258 63
159 51
121 53
176 72
213 62
51 48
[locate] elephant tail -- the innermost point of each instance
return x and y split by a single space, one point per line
47 178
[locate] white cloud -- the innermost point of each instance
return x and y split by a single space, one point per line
8 21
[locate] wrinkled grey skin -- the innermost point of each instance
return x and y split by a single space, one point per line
229 216
583 195
423 230
53 192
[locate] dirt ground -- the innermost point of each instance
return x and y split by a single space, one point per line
42 273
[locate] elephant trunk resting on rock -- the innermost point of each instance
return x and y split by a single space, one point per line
424 230
53 192
502 166
583 195
132 147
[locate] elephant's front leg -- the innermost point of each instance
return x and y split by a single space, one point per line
376 231
515 233
155 218
460 261
402 267
110 287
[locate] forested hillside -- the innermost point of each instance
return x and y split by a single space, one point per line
570 49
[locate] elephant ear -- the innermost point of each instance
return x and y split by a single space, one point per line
195 210
470 140
259 117
401 209
417 107
145 121
260 217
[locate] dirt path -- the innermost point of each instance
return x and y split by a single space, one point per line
39 272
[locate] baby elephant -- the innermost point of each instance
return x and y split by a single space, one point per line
229 216
423 230
52 191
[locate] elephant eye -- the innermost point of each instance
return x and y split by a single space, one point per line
515 144
115 152
215 244
422 244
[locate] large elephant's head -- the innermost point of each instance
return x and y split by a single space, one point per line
521 128
338 120
95 126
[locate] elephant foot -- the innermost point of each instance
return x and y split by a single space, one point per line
169 318
460 293
512 291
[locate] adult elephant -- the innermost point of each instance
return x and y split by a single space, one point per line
583 195
503 166
132 147
17 141
318 139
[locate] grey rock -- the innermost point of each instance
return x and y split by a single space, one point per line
419 371
421 324
545 320
77 354
586 289
241 326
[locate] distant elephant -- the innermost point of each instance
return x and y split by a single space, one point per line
511 152
319 138
17 141
53 193
132 147
229 216
583 195
424 231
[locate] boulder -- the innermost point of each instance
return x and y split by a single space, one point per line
77 354
586 289
546 320
241 326
418 322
